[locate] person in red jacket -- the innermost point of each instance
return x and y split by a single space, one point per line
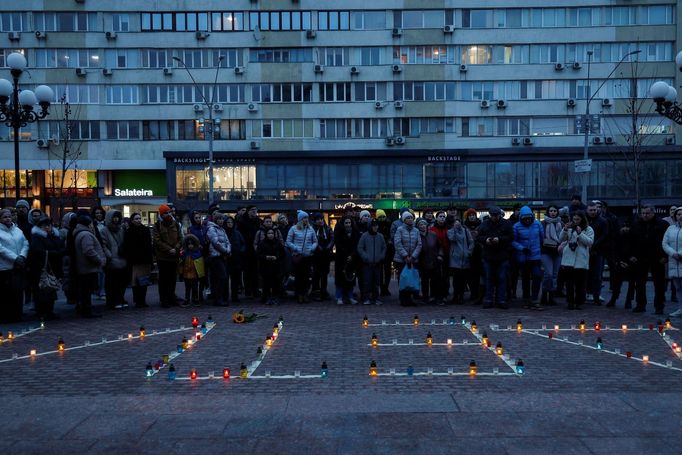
442 271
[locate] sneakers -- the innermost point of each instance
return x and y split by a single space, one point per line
339 301
185 304
378 302
676 313
366 302
353 301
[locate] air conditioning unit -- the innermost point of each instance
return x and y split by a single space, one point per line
238 70
310 34
168 71
378 105
596 140
398 104
390 141
396 32
485 104
501 104
608 140
107 71
400 140
218 107
80 1
318 69
449 29
252 107
606 102
110 35
670 140
570 102
198 108
81 72
354 70
43 143
201 35
527 141
255 145
577 65
41 35
397 68
559 67
14 36
516 141
463 68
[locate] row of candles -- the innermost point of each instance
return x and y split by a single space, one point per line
472 370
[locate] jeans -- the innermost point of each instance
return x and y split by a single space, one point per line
551 265
371 278
531 277
657 276
576 280
86 286
459 281
11 308
321 268
677 282
594 277
496 280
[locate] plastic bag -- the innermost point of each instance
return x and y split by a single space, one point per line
409 280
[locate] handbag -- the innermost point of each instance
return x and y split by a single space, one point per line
409 280
48 281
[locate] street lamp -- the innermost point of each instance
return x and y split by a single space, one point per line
665 97
209 104
16 106
586 122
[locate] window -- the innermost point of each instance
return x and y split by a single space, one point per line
76 93
155 58
121 58
123 130
64 21
477 54
370 91
120 22
122 94
66 58
368 20
273 20
422 19
227 21
477 126
335 92
334 56
477 91
333 20
281 93
13 22
424 91
408 55
513 126
281 55
288 128
550 126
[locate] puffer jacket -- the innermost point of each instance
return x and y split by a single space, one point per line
90 256
302 240
372 248
528 239
218 243
112 241
672 243
461 247
580 257
13 243
407 242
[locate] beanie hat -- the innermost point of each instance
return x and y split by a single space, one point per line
364 213
163 209
300 215
317 216
563 211
85 220
422 221
494 210
380 213
44 220
405 215
22 203
373 223
403 210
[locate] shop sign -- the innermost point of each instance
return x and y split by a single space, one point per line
132 193
190 160
352 204
137 183
444 158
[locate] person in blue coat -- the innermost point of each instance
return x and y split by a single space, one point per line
527 244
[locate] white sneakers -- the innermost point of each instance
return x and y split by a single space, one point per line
339 301
676 313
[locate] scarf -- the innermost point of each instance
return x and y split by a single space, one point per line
552 230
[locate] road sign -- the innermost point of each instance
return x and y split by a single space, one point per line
583 166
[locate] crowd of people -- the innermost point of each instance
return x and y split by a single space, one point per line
223 258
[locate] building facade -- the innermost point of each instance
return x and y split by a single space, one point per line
387 103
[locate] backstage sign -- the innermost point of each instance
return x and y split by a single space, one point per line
432 158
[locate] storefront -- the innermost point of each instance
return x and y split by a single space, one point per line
135 191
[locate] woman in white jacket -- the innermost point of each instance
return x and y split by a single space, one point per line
575 261
13 254
302 242
672 245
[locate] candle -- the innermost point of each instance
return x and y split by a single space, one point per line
449 341
499 350
597 326
149 370
33 352
324 370
60 345
365 322
142 332
195 322
226 373
581 326
474 327
243 372
171 372
373 371
415 321
429 339
600 344
645 358
519 326
556 327
193 374
624 327
375 340
473 369
520 367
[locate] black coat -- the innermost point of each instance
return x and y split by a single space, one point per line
601 243
270 248
137 245
40 244
504 231
346 245
648 240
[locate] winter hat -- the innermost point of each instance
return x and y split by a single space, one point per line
563 211
677 210
494 210
163 209
422 221
403 210
317 216
23 203
300 215
405 215
380 213
85 220
365 213
44 220
373 223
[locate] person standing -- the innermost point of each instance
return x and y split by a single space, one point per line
598 253
430 259
167 244
270 254
528 239
322 257
550 257
23 207
98 214
625 268
248 226
648 232
475 275
442 271
46 251
197 229
372 250
138 253
408 247
495 235
13 255
346 238
192 269
387 263
90 261
302 242
234 260
575 259
672 246
462 246
116 272
219 249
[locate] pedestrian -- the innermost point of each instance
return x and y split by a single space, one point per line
266 225
649 257
626 266
442 270
364 221
430 258
408 246
116 272
322 257
461 248
22 208
495 235
235 259
68 278
575 205
372 251
283 228
346 238
670 219
13 255
302 243
249 226
429 218
198 230
192 269
270 254
672 246
138 253
475 275
98 214
599 252
45 253
529 236
514 265
550 257
578 237
167 244
387 263
90 260
219 249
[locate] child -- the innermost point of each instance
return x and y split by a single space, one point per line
270 256
192 269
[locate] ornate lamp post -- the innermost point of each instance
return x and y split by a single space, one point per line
665 97
17 106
